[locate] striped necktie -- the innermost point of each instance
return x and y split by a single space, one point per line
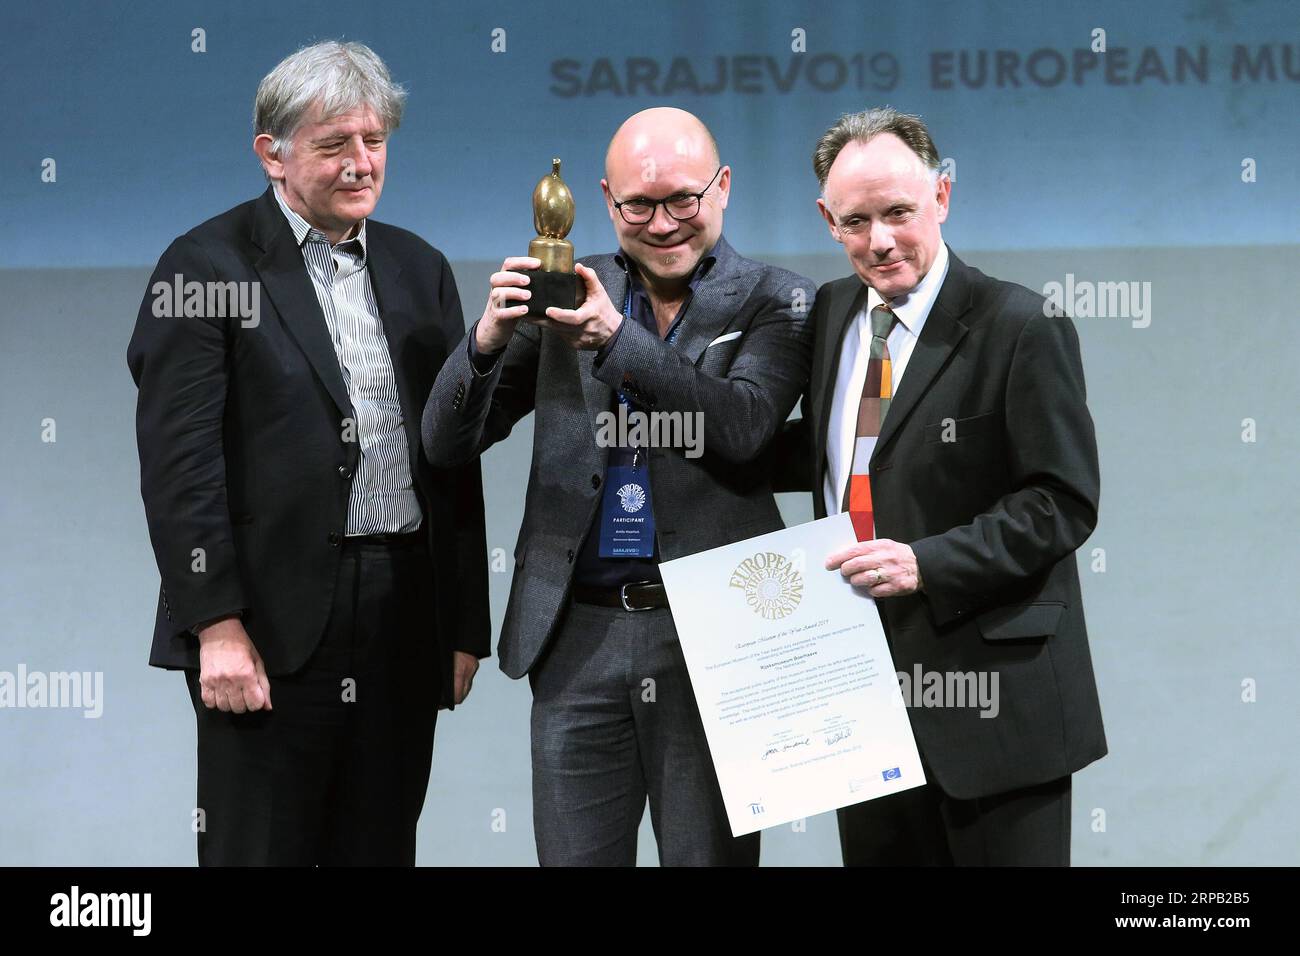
872 408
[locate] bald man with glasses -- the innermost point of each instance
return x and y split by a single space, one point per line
674 322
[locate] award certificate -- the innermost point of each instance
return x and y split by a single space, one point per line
793 677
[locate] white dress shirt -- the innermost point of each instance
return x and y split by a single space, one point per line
383 497
855 352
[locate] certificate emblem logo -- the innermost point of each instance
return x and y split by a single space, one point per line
631 497
772 585
893 773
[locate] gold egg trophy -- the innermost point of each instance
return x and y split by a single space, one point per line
555 283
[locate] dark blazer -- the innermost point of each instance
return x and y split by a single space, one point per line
244 450
745 386
994 516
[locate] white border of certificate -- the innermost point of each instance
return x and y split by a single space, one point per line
793 677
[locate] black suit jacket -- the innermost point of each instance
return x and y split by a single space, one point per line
245 450
994 516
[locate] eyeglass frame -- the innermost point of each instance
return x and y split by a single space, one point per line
654 204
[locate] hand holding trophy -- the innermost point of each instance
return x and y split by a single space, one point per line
546 278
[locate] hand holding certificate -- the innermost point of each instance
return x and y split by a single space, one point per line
792 675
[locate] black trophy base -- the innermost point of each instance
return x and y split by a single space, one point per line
564 290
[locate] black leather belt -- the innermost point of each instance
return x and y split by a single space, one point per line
393 540
638 596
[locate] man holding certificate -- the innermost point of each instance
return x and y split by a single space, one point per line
655 403
947 417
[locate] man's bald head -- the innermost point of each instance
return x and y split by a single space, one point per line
666 154
650 131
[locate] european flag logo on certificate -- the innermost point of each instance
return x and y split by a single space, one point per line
893 773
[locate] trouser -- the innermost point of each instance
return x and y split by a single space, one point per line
926 827
615 723
336 772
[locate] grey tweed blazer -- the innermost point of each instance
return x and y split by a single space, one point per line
745 386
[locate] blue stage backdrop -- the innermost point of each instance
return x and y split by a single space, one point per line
1154 145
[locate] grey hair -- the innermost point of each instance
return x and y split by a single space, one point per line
339 76
867 125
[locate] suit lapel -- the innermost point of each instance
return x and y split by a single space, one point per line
284 277
846 300
715 301
943 329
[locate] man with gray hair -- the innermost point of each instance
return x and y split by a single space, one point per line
308 552
947 416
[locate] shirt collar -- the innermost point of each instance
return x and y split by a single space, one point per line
912 309
304 231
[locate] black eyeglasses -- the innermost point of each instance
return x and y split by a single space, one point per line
681 206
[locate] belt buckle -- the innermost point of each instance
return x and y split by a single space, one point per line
622 595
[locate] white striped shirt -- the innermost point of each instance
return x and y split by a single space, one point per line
382 499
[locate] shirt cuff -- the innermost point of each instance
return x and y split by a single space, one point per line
603 352
482 362
213 620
